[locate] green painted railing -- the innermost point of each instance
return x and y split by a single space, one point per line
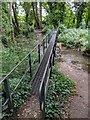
26 67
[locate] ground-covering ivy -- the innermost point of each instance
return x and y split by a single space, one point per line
59 90
11 55
21 93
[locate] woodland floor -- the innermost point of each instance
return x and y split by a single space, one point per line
79 103
30 109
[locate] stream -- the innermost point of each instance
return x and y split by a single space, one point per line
75 58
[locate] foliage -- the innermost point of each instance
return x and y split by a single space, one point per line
61 28
10 57
6 29
13 54
59 90
47 27
74 38
25 18
21 93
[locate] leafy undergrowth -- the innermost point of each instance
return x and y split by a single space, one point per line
75 38
12 54
21 93
59 90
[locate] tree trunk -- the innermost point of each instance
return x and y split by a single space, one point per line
16 19
35 12
62 12
10 19
41 15
79 14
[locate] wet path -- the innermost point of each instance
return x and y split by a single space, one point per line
75 66
76 58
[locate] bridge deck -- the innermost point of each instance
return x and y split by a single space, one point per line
35 83
31 107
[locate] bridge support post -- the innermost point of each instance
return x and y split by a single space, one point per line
30 65
43 115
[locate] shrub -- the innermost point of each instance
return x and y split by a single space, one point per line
75 38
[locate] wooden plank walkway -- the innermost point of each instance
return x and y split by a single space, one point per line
35 83
31 107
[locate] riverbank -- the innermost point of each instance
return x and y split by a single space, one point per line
75 66
79 102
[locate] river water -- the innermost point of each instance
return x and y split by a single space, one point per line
76 58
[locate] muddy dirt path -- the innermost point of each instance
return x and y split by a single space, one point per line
74 65
79 103
30 109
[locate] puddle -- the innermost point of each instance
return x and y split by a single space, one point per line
76 58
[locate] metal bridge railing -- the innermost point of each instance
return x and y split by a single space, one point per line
27 68
50 53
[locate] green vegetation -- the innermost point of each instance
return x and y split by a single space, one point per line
23 18
20 20
13 54
59 90
75 38
21 93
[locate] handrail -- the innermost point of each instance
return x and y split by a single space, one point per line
23 59
45 72
43 84
18 64
5 80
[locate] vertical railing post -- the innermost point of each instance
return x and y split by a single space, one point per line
48 37
43 47
8 95
39 53
53 60
53 55
42 107
54 49
46 41
51 66
43 112
30 65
